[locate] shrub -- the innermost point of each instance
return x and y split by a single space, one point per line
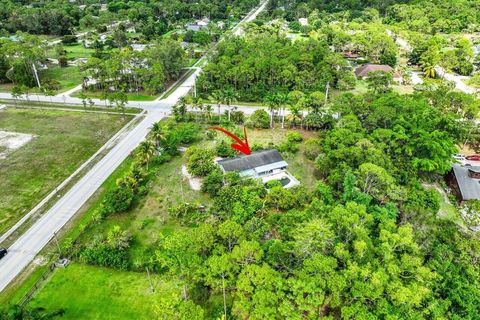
259 119
213 182
312 148
238 117
105 256
224 149
200 161
69 39
117 200
294 136
63 61
288 146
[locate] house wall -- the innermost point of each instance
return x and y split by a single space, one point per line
452 182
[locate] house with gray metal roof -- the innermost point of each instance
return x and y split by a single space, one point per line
465 182
257 164
266 165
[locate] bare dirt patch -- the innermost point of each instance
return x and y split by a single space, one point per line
195 183
11 141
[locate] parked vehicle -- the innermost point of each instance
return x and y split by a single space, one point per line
474 157
3 252
458 156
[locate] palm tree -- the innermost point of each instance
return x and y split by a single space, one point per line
228 97
146 149
216 97
197 103
429 71
180 109
282 100
157 134
272 104
296 113
209 110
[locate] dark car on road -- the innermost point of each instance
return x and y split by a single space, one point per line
3 252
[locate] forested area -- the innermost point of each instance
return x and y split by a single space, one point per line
130 71
253 66
60 17
422 16
365 243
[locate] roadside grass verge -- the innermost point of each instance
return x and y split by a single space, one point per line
177 84
132 96
63 141
23 104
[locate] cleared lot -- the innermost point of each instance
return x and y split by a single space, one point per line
63 140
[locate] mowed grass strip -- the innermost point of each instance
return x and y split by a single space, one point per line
87 292
64 140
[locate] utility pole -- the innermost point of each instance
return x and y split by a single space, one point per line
326 92
150 280
36 75
56 241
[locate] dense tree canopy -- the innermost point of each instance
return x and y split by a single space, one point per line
263 63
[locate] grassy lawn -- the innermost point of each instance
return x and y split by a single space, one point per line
87 292
150 217
63 140
69 77
140 96
78 51
169 189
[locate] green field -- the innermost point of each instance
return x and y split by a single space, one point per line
69 77
63 140
78 51
86 292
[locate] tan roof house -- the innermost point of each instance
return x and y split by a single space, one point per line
363 71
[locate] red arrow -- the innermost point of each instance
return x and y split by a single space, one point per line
240 145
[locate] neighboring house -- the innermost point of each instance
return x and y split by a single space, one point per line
266 165
198 24
303 21
363 71
139 47
465 181
351 55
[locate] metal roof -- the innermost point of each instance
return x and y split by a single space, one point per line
469 187
256 159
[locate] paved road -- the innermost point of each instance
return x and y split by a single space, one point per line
23 251
455 78
25 248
